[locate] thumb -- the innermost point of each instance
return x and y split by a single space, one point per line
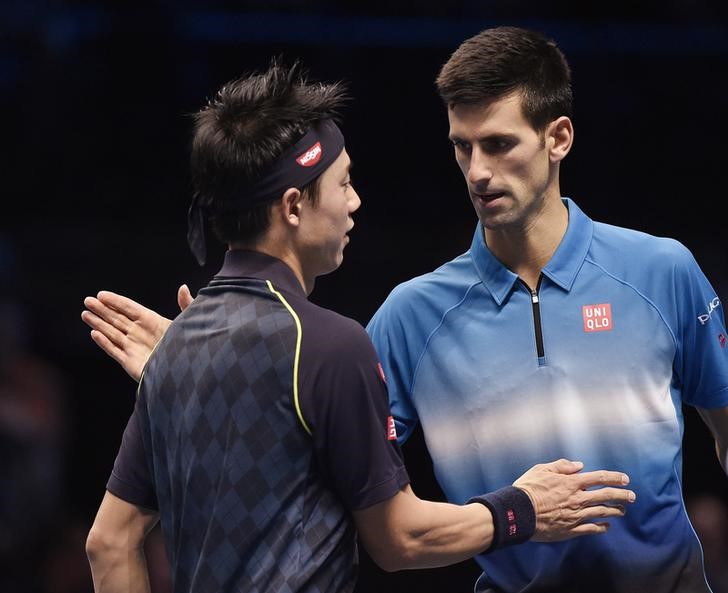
184 297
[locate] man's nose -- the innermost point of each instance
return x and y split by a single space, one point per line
355 202
480 169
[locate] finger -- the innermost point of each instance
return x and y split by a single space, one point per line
127 307
88 318
575 531
184 297
609 495
99 325
108 314
564 466
602 478
602 512
589 529
95 305
112 317
108 346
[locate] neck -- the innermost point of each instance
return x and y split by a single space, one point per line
275 248
525 250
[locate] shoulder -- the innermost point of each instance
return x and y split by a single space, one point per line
331 334
433 292
637 250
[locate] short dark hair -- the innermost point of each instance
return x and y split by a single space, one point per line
243 129
504 60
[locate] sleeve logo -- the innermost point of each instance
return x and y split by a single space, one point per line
381 372
391 429
703 318
597 318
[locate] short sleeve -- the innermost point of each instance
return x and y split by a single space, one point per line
130 478
701 361
395 351
344 398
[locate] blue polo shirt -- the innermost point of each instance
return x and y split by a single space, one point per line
594 365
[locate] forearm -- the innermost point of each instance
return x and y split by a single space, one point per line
439 534
406 532
115 546
119 571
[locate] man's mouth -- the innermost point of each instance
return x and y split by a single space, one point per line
489 196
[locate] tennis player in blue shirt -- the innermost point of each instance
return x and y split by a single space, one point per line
554 335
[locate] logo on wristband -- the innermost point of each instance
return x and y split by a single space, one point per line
512 527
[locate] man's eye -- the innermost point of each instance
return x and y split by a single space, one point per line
499 145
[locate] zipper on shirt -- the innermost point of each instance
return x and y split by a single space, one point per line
535 307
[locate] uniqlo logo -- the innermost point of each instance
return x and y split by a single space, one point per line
391 429
597 318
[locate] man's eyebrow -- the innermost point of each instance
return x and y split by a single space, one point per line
486 137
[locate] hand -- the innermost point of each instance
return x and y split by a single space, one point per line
564 507
126 330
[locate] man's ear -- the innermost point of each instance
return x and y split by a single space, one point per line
289 207
559 137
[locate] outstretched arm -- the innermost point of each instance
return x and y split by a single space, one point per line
406 532
126 330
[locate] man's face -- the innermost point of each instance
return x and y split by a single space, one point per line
504 160
324 227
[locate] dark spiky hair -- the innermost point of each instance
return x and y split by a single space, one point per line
250 122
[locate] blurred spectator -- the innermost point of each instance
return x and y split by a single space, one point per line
709 515
66 568
32 435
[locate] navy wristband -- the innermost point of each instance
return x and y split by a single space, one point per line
514 518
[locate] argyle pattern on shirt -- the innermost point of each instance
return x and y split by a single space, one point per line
242 504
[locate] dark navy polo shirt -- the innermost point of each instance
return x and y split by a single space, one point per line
261 421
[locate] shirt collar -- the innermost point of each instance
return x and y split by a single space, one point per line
562 268
241 263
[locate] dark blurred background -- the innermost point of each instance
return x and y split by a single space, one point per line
95 100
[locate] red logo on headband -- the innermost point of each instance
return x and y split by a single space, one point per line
311 156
